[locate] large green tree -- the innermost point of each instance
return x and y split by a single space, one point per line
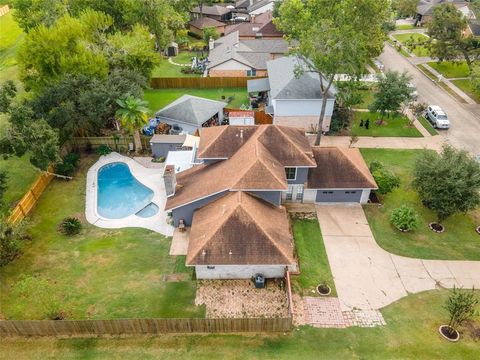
393 90
405 8
133 114
447 183
48 54
32 13
331 38
449 41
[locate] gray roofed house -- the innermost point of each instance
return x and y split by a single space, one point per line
425 8
189 113
293 101
231 56
217 12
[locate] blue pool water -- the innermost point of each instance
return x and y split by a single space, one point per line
119 194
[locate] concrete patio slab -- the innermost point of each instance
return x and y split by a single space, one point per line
367 277
179 244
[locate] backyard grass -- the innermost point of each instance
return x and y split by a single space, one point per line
21 174
458 242
98 274
405 27
451 69
159 98
166 69
395 125
414 42
10 38
466 86
411 333
312 256
427 125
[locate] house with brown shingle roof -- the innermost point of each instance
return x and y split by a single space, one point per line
233 201
197 26
260 27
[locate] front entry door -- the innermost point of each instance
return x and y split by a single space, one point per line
293 194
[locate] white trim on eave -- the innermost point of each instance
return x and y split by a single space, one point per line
200 198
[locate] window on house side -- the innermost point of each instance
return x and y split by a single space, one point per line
291 173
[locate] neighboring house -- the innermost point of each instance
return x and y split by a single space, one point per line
425 9
251 8
198 25
216 12
231 57
233 200
189 113
260 27
293 100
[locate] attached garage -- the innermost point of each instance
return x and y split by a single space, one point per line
338 196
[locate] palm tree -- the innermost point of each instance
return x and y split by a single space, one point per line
133 114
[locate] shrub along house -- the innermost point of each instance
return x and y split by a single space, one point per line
233 200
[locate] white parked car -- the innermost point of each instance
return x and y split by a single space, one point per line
437 117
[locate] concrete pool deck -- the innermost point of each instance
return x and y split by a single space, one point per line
150 177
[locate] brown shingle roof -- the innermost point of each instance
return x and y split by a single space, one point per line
288 145
205 22
341 169
257 156
239 228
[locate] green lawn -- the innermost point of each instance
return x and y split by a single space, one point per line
410 334
458 242
395 125
165 69
161 97
10 38
414 42
466 86
427 125
367 98
100 273
405 27
312 257
449 69
21 174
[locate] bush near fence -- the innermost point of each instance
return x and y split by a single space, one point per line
199 82
140 326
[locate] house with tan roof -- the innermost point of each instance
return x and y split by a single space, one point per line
216 12
230 56
197 26
232 201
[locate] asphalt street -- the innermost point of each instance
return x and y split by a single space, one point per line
464 119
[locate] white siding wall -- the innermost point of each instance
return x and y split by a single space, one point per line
231 65
301 107
263 9
309 196
241 271
365 196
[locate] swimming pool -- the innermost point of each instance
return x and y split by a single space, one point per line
120 194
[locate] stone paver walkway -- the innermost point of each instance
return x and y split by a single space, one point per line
176 64
368 277
326 312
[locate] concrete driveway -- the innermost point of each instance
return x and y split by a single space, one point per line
368 277
464 118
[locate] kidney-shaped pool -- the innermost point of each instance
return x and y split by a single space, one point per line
120 194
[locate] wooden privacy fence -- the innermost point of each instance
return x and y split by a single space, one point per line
140 326
81 142
28 201
261 117
199 82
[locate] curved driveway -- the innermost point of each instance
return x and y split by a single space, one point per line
368 277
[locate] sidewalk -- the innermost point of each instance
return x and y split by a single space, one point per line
431 142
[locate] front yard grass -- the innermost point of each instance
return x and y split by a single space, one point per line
411 333
367 98
458 242
466 86
312 256
451 69
427 125
394 125
100 273
159 98
414 42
